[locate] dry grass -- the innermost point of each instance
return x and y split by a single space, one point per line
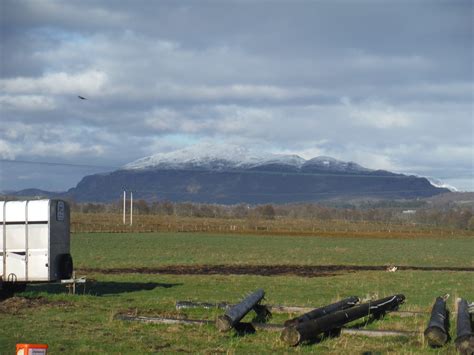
112 223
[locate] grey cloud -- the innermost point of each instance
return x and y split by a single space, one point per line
387 84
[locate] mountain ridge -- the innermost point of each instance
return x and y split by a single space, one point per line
233 174
222 157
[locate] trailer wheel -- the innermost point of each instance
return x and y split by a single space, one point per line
65 266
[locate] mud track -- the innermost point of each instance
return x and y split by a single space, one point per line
264 270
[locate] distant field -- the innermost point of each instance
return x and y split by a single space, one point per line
85 323
109 222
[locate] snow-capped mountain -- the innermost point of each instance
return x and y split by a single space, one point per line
213 156
231 174
220 157
328 163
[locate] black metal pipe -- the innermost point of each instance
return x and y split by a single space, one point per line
309 330
436 332
322 311
233 315
464 335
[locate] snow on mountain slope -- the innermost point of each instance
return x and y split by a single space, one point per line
214 157
328 163
227 156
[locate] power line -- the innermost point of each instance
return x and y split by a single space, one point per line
48 163
216 195
276 193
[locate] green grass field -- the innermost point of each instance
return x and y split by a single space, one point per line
86 324
98 250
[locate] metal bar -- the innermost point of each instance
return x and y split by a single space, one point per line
162 320
322 311
377 333
309 330
237 312
435 332
262 326
464 335
205 305
278 308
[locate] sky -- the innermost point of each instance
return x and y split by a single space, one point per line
387 84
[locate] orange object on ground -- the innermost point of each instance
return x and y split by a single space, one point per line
31 349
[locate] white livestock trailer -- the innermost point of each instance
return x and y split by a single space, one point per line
35 242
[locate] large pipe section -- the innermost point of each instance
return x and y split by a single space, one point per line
436 333
464 335
233 315
310 329
323 311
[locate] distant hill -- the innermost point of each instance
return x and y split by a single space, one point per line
32 194
231 174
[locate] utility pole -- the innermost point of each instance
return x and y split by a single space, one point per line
131 208
124 206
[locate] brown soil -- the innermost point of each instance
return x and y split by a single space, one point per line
15 305
264 270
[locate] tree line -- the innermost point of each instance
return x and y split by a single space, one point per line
448 216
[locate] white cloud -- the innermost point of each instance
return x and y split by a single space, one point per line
232 92
90 82
379 115
67 149
27 102
7 151
369 61
213 73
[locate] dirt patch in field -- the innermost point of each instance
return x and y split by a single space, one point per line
15 305
265 270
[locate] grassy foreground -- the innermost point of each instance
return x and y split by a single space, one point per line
85 324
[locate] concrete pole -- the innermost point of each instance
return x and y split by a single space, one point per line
436 332
131 208
124 206
237 312
323 311
464 334
309 330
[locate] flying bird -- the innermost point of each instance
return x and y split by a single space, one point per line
81 97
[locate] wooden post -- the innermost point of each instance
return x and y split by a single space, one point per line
233 315
436 333
309 330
